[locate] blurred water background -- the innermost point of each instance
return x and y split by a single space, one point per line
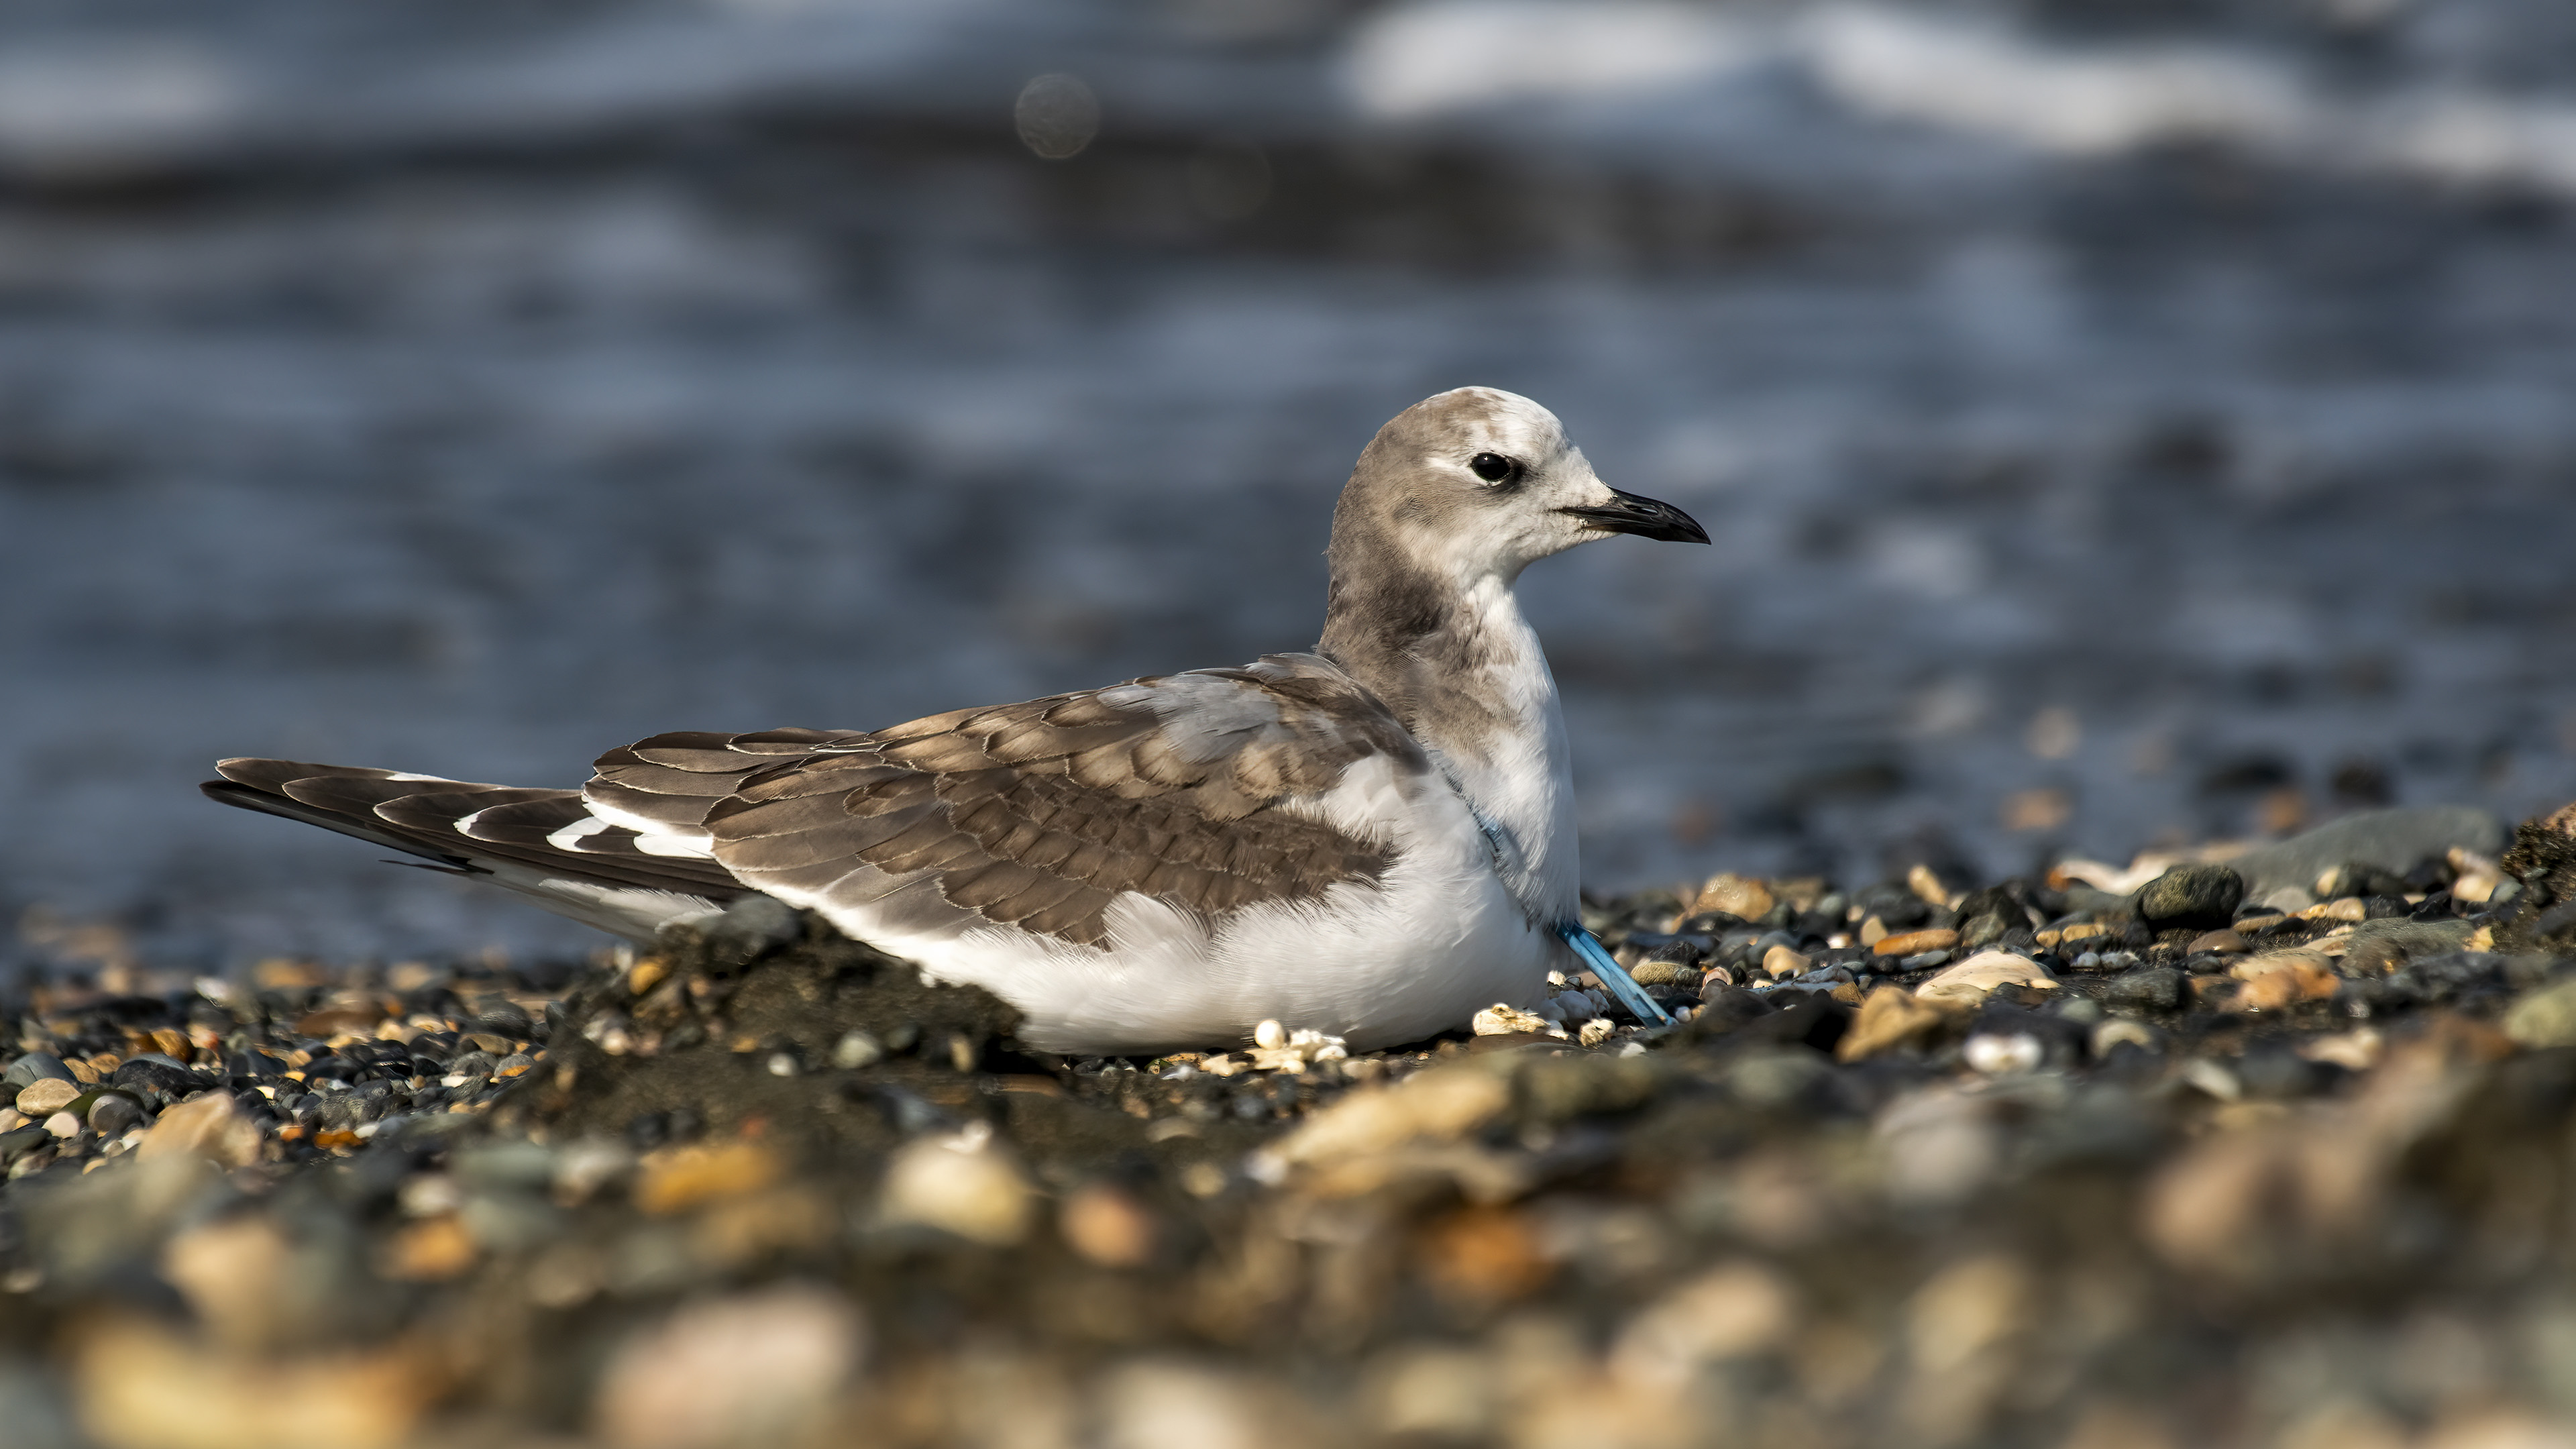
2119 422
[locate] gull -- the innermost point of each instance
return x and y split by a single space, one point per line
1373 840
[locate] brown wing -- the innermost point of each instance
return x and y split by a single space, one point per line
1040 814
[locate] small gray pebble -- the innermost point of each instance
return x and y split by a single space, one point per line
2158 988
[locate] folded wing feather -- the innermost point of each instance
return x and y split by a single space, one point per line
1040 814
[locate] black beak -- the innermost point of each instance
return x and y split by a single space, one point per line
1644 517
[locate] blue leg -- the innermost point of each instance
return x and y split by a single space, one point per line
1630 994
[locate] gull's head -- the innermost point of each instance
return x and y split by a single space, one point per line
1477 481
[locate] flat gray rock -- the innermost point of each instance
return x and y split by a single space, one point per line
2389 840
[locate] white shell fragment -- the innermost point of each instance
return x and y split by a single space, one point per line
1501 1020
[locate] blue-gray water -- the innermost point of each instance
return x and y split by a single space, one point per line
471 390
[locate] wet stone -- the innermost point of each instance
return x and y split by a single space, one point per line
114 1114
2191 895
161 1076
20 1141
32 1068
2157 988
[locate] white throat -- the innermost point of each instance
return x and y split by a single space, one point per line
1516 776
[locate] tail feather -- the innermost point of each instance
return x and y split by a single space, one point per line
277 802
535 843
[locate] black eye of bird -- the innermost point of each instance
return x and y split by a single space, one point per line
1493 467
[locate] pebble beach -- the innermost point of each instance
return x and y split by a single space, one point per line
2238 1145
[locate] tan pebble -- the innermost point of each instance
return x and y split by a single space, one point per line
207 1127
1927 887
63 1124
962 1185
1780 961
1427 1394
2280 979
230 1271
1501 1020
337 1020
279 973
11 1119
1108 1226
1483 1254
646 974
1965 1310
138 1383
1845 992
1873 931
1440 1105
2349 908
1890 1017
733 1233
2477 876
1738 896
2474 1427
1733 1311
1914 943
2222 941
2545 1018
759 1368
431 1251
2356 1051
1164 1403
676 1179
2081 931
567 1275
1969 982
43 1099
2121 1030
2213 990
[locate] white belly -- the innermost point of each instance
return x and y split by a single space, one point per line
1438 939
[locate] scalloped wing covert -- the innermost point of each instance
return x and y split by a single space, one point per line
1039 815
